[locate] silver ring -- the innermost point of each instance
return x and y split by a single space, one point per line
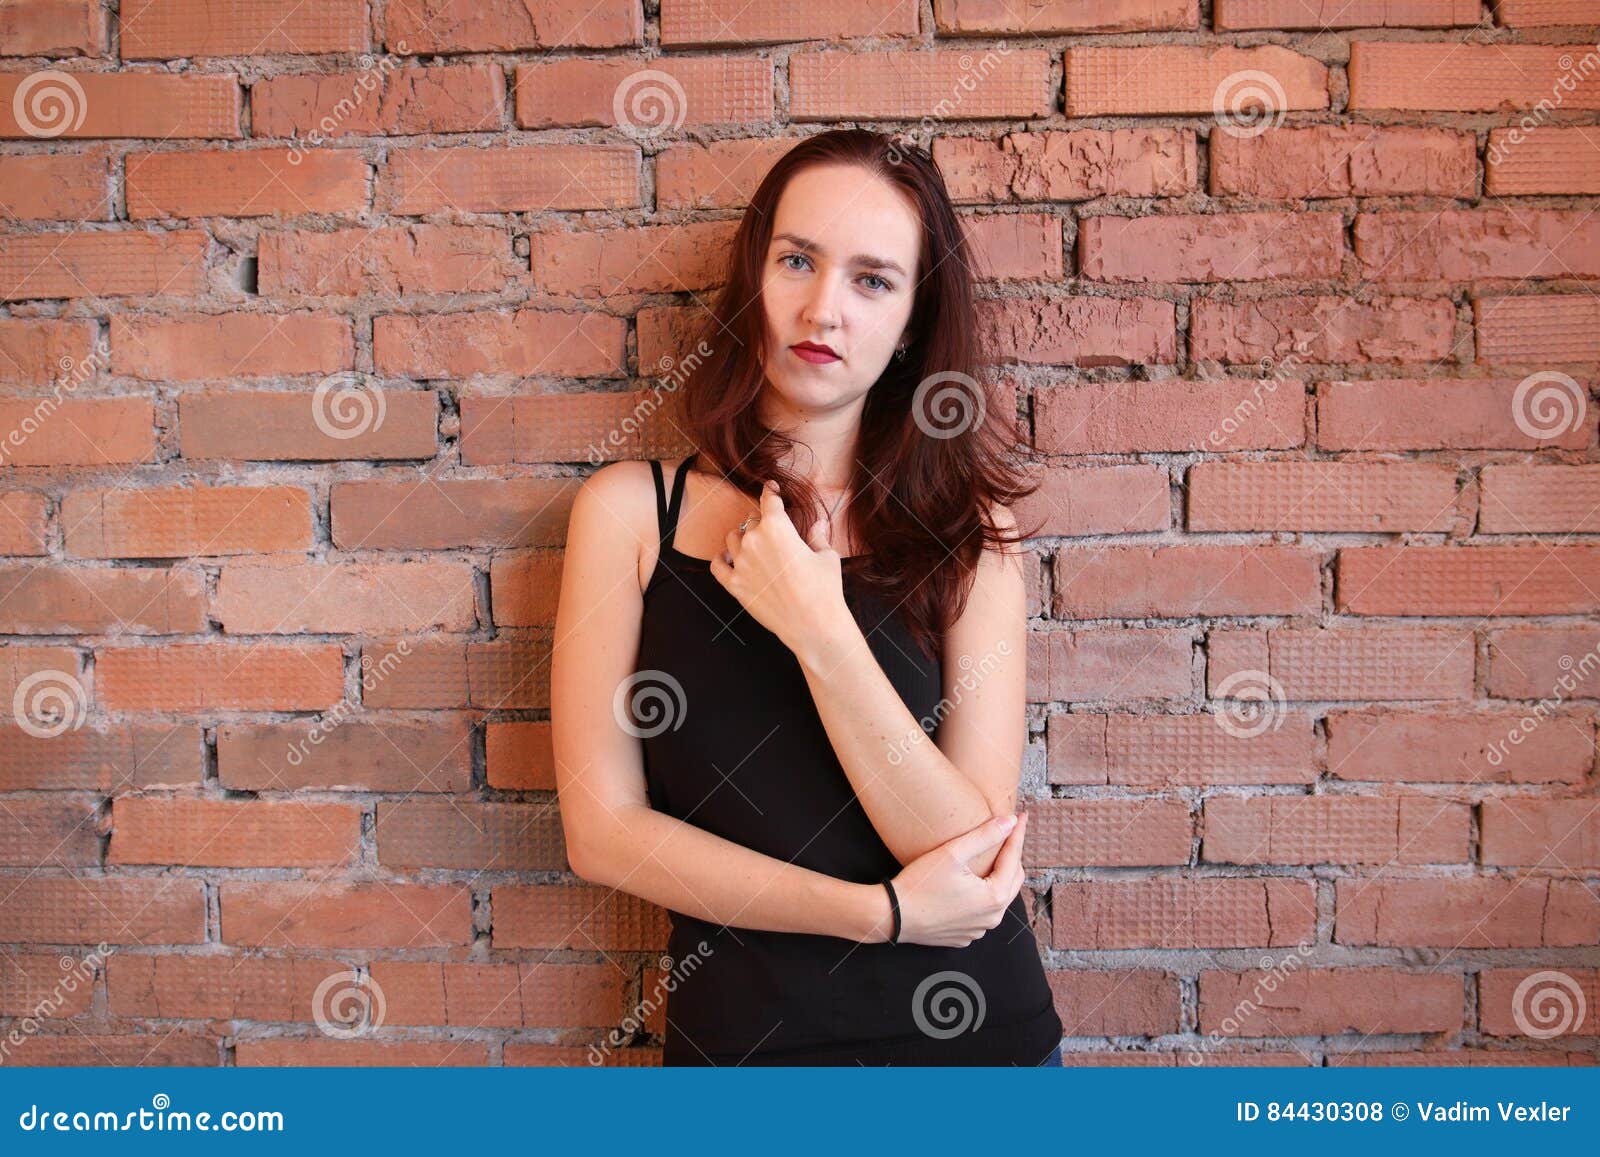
745 525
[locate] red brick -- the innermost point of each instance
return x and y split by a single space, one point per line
346 423
80 1049
389 98
394 260
1084 500
246 183
1466 244
45 986
715 174
233 834
1120 833
1513 1001
639 259
162 29
1076 165
320 1052
24 523
1081 331
1561 835
1454 77
1110 665
50 832
489 837
1161 582
527 343
1448 414
47 431
94 909
1213 912
226 346
1182 78
1463 913
67 187
504 179
1004 82
520 755
216 987
218 677
1171 414
1128 1002
1534 13
587 427
1437 747
426 26
355 755
1043 17
1538 330
1328 1002
101 264
163 106
1553 161
573 92
1463 1058
1212 247
182 521
1344 161
1386 662
524 587
1537 579
306 914
1322 496
1316 16
344 598
513 671
1291 331
1539 499
1172 751
1334 830
36 351
436 515
1538 662
122 757
735 22
52 28
527 995
1014 246
577 917
81 600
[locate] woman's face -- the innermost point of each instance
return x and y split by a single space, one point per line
839 273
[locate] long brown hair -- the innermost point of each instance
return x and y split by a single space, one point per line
922 484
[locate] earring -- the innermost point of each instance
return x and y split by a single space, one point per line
900 354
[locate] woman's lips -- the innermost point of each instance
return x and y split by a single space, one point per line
815 357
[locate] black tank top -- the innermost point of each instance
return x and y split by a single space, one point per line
746 757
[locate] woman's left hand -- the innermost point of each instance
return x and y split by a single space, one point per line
791 585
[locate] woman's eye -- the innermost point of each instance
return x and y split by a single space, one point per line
879 280
791 257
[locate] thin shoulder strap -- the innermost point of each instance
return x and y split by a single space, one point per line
667 515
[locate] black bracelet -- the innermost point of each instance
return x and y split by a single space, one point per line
894 903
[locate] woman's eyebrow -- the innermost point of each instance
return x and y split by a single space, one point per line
866 260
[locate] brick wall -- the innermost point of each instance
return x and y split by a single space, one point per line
312 314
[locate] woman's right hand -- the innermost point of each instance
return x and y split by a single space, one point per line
943 903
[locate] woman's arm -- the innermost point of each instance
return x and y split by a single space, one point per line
918 793
613 836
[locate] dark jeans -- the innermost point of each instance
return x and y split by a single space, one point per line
1053 1060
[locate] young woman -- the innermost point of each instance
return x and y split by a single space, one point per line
788 696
